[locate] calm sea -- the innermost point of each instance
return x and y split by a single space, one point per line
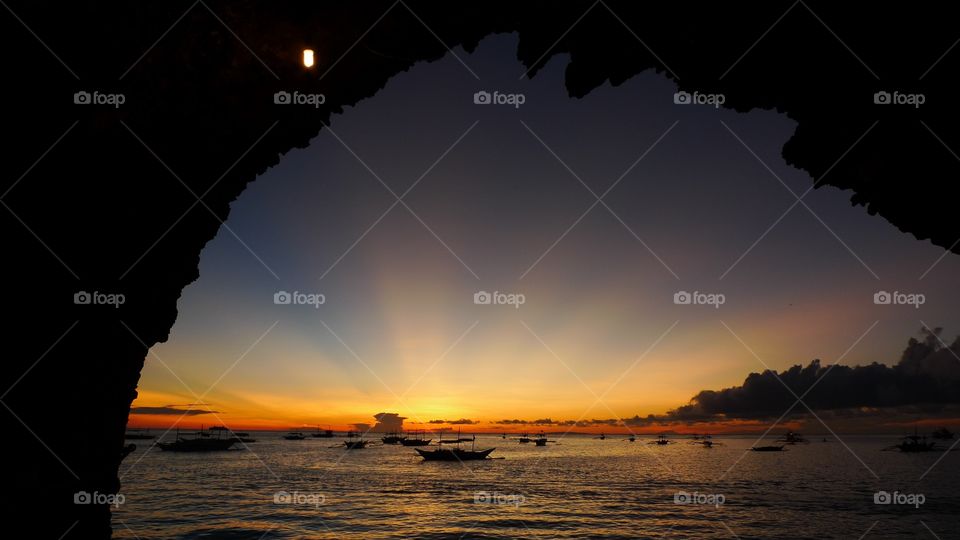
579 488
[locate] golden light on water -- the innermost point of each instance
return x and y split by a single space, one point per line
308 57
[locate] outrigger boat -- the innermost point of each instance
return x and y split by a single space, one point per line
767 448
198 443
662 440
523 439
392 438
791 437
138 435
295 436
325 434
356 445
415 440
454 454
541 439
914 443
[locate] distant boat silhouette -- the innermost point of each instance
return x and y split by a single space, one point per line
415 440
662 440
199 443
392 438
454 454
771 448
325 434
914 443
295 436
791 437
138 435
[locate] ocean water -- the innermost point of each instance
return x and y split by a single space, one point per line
578 488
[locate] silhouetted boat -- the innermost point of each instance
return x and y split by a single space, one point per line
662 440
767 448
138 435
198 443
415 440
541 439
295 436
914 443
791 437
392 438
523 439
943 434
356 445
454 454
704 442
325 434
632 438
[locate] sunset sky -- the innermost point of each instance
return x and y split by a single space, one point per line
399 330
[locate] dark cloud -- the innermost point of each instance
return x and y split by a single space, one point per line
170 409
388 422
926 379
460 422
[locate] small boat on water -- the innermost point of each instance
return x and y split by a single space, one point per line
392 438
662 440
325 434
914 443
943 434
772 448
705 443
455 454
632 438
359 444
523 439
541 439
138 435
415 439
295 436
197 443
792 437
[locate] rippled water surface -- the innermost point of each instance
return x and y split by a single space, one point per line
579 488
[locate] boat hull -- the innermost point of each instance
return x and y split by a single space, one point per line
446 454
199 445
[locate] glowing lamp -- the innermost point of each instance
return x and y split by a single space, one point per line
308 57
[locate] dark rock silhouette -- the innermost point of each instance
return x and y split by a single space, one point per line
121 200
